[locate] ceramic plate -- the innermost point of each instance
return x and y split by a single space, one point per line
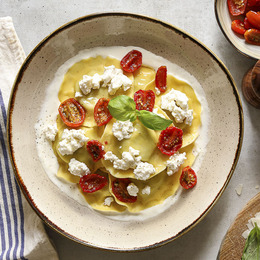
224 20
225 131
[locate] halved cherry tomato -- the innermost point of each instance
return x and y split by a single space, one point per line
119 188
161 78
101 113
131 61
170 140
247 24
92 182
188 178
144 100
238 27
252 36
95 149
236 7
72 113
254 18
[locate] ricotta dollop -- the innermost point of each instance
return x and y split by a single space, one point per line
177 103
112 78
71 140
78 168
122 129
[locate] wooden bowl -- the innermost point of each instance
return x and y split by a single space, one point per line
251 85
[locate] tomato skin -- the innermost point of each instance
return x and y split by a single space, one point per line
238 27
101 113
254 18
170 140
144 100
251 3
119 188
95 149
188 178
132 61
247 24
92 182
161 78
236 7
72 113
252 36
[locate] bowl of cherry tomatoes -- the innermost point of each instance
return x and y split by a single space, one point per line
239 21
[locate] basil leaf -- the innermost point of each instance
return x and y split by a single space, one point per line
153 121
122 108
252 247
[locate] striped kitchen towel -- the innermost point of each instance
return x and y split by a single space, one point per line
22 234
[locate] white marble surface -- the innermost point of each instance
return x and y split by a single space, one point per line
34 20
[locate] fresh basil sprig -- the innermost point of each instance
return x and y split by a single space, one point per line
252 247
123 108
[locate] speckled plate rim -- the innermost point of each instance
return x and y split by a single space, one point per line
19 76
244 51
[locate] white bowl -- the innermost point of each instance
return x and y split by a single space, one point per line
224 20
78 222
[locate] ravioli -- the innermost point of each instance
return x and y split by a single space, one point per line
142 139
162 186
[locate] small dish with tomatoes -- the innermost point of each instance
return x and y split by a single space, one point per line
239 20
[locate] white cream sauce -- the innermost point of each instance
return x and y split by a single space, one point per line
49 111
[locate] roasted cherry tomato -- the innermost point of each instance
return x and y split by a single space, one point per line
252 36
101 113
72 113
161 79
237 7
238 27
95 149
144 100
247 24
132 61
254 18
170 140
188 178
119 188
92 182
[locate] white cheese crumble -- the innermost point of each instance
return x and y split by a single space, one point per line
108 201
129 159
122 129
177 103
112 78
115 79
71 140
88 83
143 171
251 224
146 190
50 132
78 168
174 162
132 189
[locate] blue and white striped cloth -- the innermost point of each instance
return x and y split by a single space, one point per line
22 235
